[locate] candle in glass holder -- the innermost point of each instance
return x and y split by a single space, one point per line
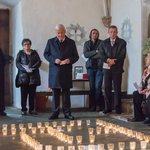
70 139
4 132
129 133
29 125
69 128
132 145
134 133
42 129
23 130
106 129
88 122
63 123
146 138
90 130
46 125
121 145
110 146
79 122
81 147
71 147
54 124
100 146
12 126
104 123
143 145
98 130
21 126
100 122
33 130
60 147
91 147
97 122
66 138
79 139
114 130
39 125
72 123
91 138
121 129
13 131
40 147
5 126
59 128
48 147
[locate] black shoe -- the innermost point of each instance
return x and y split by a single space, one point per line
146 121
53 116
69 117
2 113
23 112
32 112
107 111
136 120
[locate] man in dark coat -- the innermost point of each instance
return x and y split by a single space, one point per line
2 102
61 53
113 53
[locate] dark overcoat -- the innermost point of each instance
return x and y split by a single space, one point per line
2 65
118 51
60 76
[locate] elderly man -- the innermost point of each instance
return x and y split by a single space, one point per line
113 53
61 53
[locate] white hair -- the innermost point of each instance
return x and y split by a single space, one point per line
59 26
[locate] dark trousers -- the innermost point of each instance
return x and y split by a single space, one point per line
25 91
117 80
65 101
95 77
137 101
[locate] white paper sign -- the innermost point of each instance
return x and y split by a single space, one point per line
105 66
136 86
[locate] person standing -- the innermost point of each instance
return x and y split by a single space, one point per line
61 53
28 77
2 65
113 53
94 68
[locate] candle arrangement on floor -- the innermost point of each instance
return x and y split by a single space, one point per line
58 132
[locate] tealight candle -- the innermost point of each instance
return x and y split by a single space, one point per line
40 147
121 145
79 139
42 129
72 123
79 122
106 129
143 145
132 145
100 122
98 130
97 122
33 130
5 126
39 125
88 122
4 132
59 128
129 133
91 147
13 131
91 138
12 126
71 147
60 147
110 146
54 124
69 128
21 126
81 147
29 125
70 139
66 138
23 130
146 138
90 130
100 146
46 125
48 147
63 123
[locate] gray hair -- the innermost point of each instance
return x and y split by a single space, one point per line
59 26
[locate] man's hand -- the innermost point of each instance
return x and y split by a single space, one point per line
67 61
111 62
57 61
143 91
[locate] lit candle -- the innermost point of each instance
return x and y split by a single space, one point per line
110 146
79 139
143 144
54 124
5 126
71 147
98 130
33 130
12 126
106 129
13 131
121 145
60 147
70 139
4 132
79 122
81 147
132 145
72 123
39 125
63 123
90 130
48 147
88 122
46 124
29 125
59 128
42 129
100 146
21 126
69 128
91 147
91 138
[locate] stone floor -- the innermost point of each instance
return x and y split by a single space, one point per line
14 116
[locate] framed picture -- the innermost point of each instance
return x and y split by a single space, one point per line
77 69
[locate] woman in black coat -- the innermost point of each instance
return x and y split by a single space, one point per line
2 65
28 77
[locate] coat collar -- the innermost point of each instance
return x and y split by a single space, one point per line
117 39
56 39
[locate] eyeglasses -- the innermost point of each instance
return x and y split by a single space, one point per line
25 44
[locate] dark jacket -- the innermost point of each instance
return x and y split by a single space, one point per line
92 54
60 76
118 51
33 61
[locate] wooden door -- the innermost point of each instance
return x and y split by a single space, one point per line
4 45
